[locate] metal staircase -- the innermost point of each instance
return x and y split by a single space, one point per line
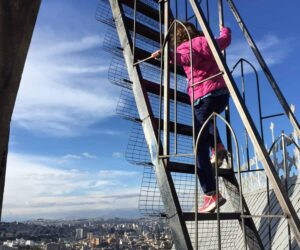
138 37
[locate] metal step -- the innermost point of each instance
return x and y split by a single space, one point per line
142 29
155 89
211 216
185 168
182 129
143 8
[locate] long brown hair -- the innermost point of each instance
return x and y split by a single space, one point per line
182 35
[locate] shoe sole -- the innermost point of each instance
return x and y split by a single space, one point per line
213 207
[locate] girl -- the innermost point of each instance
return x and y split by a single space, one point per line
209 96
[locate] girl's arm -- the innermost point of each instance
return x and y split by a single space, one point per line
181 59
225 38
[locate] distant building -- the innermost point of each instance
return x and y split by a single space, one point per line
15 244
79 234
95 241
30 243
55 246
89 235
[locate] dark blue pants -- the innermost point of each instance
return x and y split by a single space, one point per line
203 110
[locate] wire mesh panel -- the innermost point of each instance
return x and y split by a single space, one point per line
150 204
127 108
111 42
138 153
150 73
104 15
208 234
117 73
150 199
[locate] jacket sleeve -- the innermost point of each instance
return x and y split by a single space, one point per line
182 59
225 38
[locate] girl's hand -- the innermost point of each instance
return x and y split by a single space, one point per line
156 54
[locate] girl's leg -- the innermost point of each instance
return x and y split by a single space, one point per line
219 104
202 111
205 170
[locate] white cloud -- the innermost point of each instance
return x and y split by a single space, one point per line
34 187
116 173
117 154
64 88
71 157
65 47
89 156
273 49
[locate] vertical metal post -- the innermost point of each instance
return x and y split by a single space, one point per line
175 87
207 11
286 175
241 199
166 146
244 98
217 182
186 10
227 109
134 30
161 39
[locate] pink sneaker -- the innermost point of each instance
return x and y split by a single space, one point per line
210 203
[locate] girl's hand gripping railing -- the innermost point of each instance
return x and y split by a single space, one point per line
154 55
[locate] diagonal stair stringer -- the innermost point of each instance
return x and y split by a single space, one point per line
169 196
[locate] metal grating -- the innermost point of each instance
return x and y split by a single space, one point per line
104 15
150 202
111 43
149 72
137 151
208 230
117 74
151 205
127 108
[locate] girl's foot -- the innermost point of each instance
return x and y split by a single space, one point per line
210 203
221 154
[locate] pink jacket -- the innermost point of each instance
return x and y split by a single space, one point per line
204 63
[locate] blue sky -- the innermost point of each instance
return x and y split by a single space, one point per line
67 146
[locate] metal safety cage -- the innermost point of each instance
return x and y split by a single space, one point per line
141 31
